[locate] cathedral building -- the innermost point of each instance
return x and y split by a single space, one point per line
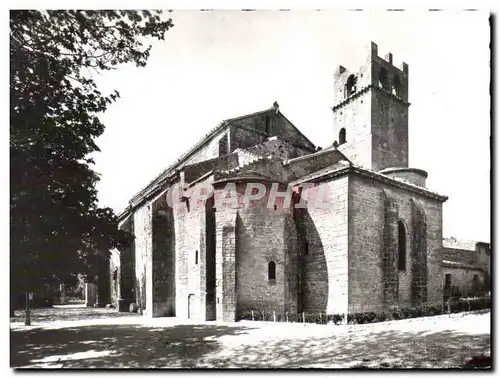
377 244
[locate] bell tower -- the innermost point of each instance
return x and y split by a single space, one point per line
370 112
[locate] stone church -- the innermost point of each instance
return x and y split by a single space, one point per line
377 246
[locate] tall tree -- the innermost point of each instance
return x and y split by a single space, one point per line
57 227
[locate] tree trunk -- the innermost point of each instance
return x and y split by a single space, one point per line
12 303
27 320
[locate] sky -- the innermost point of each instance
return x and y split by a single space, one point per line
223 64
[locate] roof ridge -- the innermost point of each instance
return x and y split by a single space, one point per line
381 175
176 162
248 115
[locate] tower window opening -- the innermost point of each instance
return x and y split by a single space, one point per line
401 246
383 78
196 258
271 271
223 145
350 86
342 136
396 86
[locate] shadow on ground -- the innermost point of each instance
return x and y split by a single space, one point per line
219 346
391 349
116 346
65 313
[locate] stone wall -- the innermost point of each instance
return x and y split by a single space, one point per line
375 116
195 171
143 231
260 240
225 265
367 288
470 253
246 137
389 109
463 279
248 238
286 130
483 260
209 151
250 131
324 282
355 118
308 164
389 127
163 266
267 167
366 227
459 255
123 262
278 147
189 220
208 263
291 271
114 277
389 251
418 254
104 283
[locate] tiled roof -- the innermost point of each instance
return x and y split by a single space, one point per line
323 172
333 170
455 264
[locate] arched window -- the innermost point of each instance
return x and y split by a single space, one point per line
342 136
383 78
271 270
350 86
401 246
196 258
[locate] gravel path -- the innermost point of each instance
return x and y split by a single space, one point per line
102 338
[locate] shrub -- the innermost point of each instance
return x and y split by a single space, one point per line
432 311
396 314
380 317
335 318
245 315
317 318
404 313
455 306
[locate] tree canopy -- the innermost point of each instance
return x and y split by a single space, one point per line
57 227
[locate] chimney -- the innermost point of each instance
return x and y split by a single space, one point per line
276 107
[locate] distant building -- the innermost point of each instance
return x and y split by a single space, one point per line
466 267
